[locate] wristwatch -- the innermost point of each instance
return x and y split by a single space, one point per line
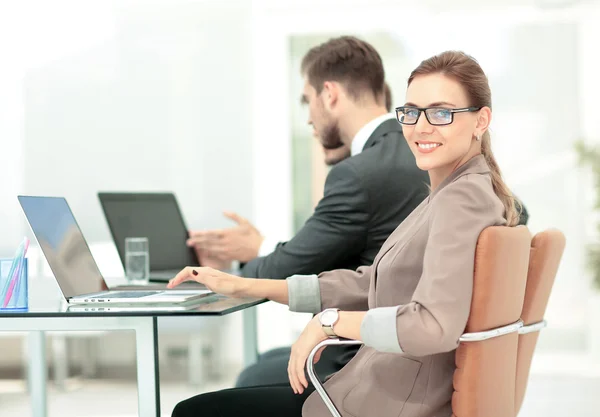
328 318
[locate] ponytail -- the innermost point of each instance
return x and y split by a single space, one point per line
500 188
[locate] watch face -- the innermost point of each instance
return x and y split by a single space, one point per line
328 317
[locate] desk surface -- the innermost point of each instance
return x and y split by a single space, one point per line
45 300
214 305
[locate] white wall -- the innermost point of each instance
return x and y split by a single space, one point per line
133 95
162 103
154 97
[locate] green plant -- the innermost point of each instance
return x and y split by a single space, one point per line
590 156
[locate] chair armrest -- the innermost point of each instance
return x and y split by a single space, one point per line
466 337
533 327
310 369
490 334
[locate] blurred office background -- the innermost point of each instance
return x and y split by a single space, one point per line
202 98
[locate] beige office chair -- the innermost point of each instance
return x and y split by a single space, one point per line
546 251
486 359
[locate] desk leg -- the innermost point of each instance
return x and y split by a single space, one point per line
250 336
146 341
60 358
38 373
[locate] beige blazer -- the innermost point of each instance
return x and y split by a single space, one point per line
418 295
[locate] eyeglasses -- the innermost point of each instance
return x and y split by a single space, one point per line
437 116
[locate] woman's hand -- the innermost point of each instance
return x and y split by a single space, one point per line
312 335
216 281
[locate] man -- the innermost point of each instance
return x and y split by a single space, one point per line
243 242
366 195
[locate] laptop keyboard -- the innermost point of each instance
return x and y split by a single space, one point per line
127 294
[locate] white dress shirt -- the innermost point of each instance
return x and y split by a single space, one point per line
365 132
358 143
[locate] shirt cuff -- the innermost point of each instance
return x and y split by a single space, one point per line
267 247
304 294
379 329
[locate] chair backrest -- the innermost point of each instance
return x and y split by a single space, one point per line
484 380
546 251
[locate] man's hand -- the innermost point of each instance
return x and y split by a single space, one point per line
241 242
208 259
333 156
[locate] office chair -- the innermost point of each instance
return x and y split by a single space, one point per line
546 251
486 358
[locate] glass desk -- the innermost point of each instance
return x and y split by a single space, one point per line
48 313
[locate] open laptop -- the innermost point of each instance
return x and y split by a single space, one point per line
72 263
157 217
131 308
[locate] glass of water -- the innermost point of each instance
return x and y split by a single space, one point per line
137 260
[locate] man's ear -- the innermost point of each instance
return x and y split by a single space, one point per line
330 94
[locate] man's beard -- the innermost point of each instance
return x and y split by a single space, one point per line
330 137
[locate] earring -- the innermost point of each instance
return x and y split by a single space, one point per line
477 138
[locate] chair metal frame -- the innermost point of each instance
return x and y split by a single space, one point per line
516 327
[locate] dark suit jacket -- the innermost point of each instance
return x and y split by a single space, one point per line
366 197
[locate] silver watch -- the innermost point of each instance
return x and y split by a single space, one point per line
328 318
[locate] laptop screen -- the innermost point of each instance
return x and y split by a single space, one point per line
63 244
155 216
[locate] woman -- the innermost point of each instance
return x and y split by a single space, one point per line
411 306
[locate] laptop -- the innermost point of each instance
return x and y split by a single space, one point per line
131 308
157 217
72 263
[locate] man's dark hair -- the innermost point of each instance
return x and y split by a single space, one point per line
347 60
388 96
